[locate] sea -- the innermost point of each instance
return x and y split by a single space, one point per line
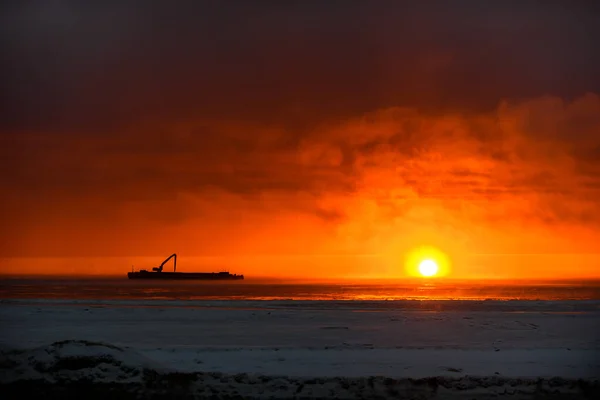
122 289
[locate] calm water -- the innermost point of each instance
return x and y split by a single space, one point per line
123 289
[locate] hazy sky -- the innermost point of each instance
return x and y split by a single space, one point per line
236 128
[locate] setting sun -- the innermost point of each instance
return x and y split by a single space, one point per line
428 268
427 261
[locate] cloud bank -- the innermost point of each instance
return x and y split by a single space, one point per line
523 178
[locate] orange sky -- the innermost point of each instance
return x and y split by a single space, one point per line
377 185
311 172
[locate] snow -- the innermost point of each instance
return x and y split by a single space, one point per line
263 349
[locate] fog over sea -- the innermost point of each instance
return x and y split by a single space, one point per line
120 288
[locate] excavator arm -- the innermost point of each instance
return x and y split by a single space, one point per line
160 268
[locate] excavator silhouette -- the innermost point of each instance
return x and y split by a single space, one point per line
160 268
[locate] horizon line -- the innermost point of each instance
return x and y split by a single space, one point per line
332 278
318 255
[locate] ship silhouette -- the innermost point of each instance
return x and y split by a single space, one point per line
157 273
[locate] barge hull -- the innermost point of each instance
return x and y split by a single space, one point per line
199 276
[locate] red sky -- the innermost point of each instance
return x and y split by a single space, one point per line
302 139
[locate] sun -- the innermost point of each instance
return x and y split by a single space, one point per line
427 262
428 267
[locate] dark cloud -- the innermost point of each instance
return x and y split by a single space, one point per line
97 66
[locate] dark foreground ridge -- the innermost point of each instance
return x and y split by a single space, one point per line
220 386
81 369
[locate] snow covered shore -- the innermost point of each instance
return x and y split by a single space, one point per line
68 368
298 352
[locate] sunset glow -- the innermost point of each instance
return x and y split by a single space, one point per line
286 148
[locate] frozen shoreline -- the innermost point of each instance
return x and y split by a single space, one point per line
71 368
513 347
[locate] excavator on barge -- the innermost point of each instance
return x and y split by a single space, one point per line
157 273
